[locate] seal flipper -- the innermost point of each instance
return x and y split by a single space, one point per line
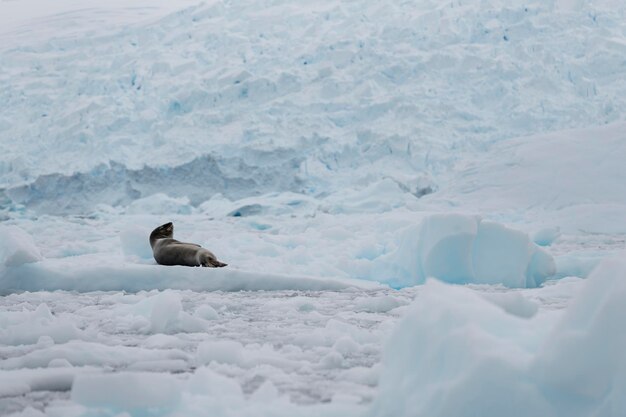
213 263
209 260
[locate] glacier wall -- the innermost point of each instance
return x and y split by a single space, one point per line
338 94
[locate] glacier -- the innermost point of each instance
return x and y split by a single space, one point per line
405 88
421 205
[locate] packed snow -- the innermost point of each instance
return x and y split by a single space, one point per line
421 205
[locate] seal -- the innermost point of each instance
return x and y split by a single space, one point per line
169 251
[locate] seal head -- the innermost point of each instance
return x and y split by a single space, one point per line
162 232
169 251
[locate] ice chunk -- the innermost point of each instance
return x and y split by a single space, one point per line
59 363
208 382
135 242
206 312
440 246
541 266
13 388
578 264
82 275
161 313
224 351
265 393
346 345
464 249
165 311
546 236
380 304
456 354
332 360
584 358
127 391
501 255
39 326
362 375
21 381
163 341
17 247
58 330
171 365
80 353
513 303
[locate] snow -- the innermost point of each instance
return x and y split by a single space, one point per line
457 354
340 157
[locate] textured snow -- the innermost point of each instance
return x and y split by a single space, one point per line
336 155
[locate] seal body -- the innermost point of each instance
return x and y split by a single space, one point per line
169 251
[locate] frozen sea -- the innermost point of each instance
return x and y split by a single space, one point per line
421 204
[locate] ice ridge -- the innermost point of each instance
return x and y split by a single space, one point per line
115 184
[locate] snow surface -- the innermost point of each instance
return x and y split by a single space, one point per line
337 155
